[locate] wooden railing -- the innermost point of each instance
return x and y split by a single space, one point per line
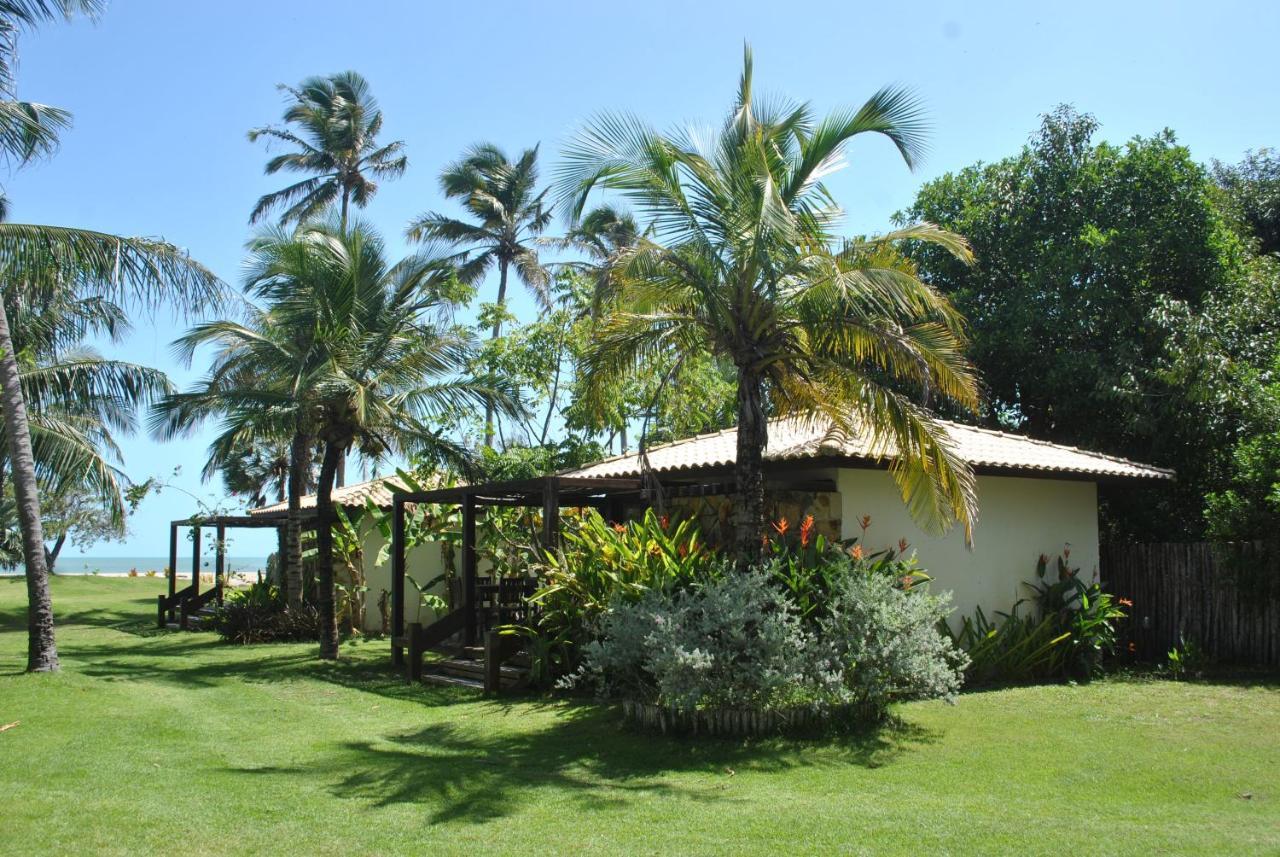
166 605
419 638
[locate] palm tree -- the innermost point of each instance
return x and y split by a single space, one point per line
259 386
43 262
509 213
338 121
744 264
370 361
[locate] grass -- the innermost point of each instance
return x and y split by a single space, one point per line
157 742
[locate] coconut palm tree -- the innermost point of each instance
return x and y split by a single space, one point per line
337 122
509 214
43 262
259 386
46 262
744 263
352 351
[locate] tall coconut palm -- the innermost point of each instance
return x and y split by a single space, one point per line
260 387
744 263
337 122
509 214
379 363
46 261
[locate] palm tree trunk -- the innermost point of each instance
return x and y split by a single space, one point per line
324 552
299 458
346 204
497 331
753 437
42 651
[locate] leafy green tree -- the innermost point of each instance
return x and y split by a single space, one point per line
509 213
743 263
1092 261
333 122
1252 190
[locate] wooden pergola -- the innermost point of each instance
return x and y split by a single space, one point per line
179 604
550 493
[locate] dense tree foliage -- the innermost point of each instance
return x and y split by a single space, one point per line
1112 306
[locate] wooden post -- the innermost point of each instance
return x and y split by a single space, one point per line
415 651
469 566
397 581
173 565
551 513
220 564
195 560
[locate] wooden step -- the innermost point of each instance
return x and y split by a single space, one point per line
474 669
451 681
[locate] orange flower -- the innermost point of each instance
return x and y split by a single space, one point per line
806 531
906 582
1125 602
664 521
865 522
903 544
856 552
1133 647
764 540
781 525
619 528
683 550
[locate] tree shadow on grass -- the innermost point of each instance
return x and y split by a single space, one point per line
489 768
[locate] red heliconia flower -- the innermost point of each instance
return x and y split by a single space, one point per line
806 530
1133 647
1125 602
781 525
903 544
865 522
665 521
683 550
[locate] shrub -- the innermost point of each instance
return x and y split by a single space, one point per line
256 614
1072 629
739 642
731 642
600 564
883 642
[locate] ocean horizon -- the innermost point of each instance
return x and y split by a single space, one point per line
143 564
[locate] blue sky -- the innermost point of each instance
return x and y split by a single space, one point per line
163 93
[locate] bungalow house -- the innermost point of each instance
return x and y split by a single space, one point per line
1034 498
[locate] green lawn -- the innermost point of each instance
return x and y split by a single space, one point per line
170 743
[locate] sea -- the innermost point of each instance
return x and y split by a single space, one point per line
143 564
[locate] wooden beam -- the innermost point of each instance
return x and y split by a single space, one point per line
397 579
469 567
173 560
551 513
195 560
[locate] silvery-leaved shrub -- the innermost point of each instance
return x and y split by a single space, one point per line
733 641
884 645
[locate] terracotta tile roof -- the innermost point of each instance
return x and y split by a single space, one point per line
791 439
378 490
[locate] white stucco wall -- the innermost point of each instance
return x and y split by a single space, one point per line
422 563
1019 519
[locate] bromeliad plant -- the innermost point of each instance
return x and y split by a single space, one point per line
1074 625
600 565
808 567
1084 610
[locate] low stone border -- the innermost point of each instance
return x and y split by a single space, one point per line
739 721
